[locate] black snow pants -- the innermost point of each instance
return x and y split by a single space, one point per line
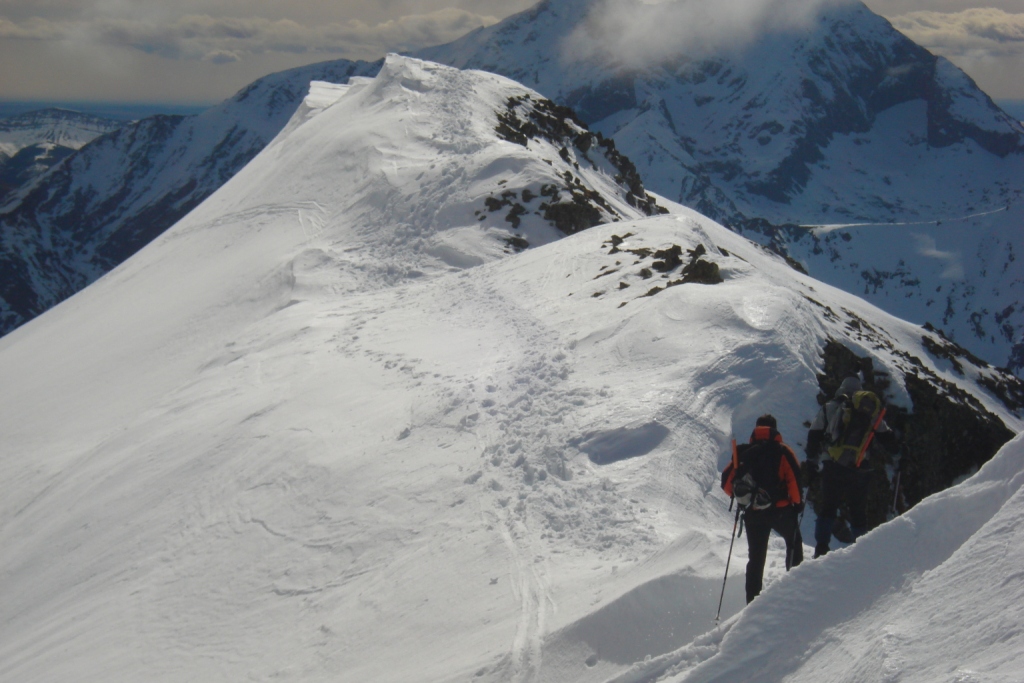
839 482
760 524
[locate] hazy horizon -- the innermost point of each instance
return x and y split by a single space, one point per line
202 51
129 110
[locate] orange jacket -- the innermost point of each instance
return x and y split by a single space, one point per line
789 468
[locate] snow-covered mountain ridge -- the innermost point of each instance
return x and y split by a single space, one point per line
849 124
34 142
332 426
56 126
121 191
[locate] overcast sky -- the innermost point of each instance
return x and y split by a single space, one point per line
199 51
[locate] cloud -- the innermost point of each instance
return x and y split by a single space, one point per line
926 246
34 28
972 32
635 33
221 40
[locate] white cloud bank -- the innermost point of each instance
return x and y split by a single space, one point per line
225 39
635 33
972 32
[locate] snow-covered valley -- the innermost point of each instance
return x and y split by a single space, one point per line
335 425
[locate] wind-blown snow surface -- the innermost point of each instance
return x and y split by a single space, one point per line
936 595
325 428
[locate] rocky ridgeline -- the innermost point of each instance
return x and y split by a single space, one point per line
570 206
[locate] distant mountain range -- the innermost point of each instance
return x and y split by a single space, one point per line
34 142
62 127
915 174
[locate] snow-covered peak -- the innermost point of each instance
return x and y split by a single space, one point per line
844 122
461 167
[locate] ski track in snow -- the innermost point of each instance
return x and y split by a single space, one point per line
824 229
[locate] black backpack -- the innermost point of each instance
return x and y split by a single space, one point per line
757 485
851 427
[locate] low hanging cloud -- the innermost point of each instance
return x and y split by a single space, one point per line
32 29
953 268
973 32
635 34
221 40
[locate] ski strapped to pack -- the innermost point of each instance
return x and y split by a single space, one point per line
871 435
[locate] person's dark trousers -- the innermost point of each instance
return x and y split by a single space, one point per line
839 482
759 525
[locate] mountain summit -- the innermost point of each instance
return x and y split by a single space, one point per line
912 175
769 120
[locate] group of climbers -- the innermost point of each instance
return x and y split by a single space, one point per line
768 484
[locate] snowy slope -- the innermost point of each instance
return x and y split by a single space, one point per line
118 193
935 595
331 427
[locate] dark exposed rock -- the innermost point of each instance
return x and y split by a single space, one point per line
516 243
513 215
701 272
668 259
1002 383
527 118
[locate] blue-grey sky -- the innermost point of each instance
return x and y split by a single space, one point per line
205 50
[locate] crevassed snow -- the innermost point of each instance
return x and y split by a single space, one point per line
292 438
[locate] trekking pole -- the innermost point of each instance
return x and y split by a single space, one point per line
732 540
896 494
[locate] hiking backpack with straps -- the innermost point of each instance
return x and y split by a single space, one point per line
756 484
851 427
